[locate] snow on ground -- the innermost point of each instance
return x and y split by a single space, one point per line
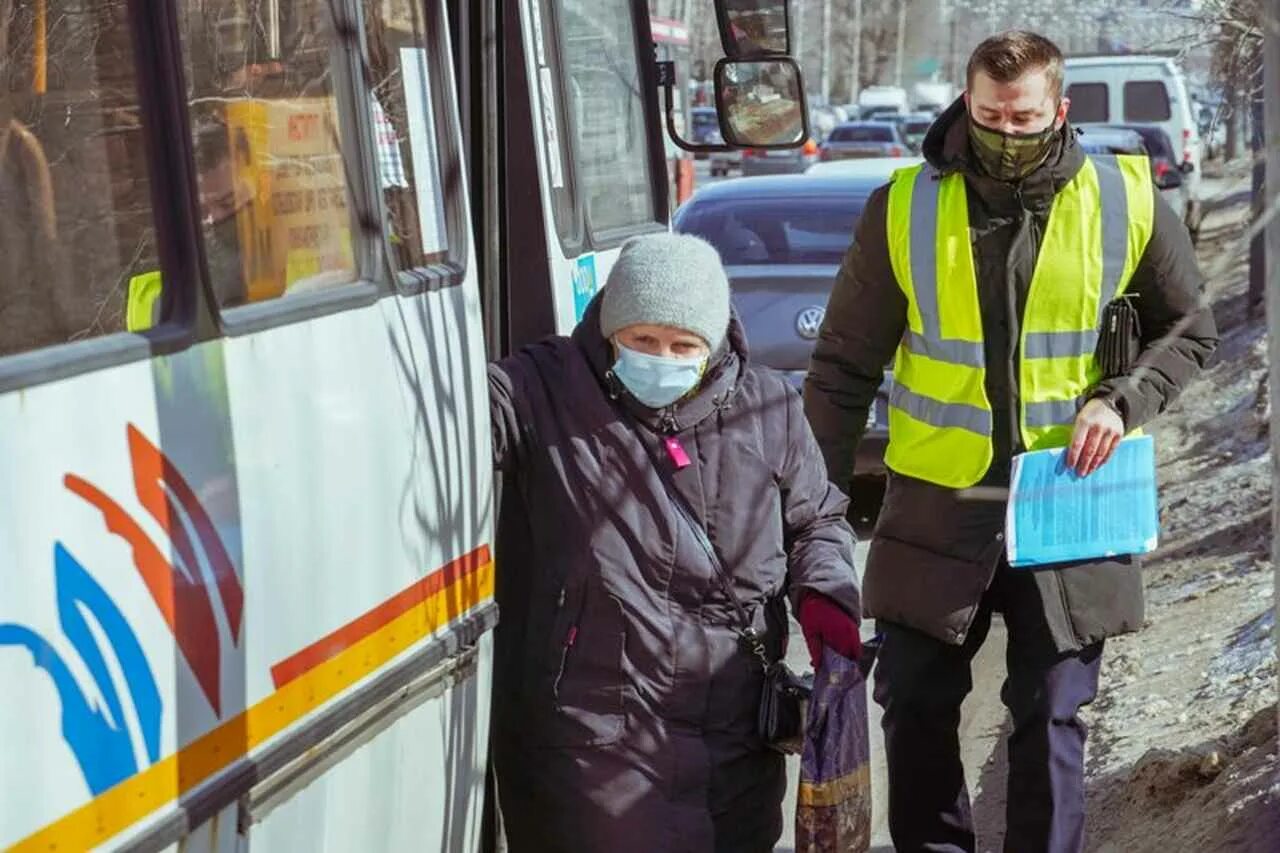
1182 752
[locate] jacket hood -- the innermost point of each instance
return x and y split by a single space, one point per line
946 148
718 388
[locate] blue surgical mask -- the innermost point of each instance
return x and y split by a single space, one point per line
657 381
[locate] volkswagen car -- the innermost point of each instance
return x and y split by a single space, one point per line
782 239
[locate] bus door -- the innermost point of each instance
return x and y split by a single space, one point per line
671 44
595 144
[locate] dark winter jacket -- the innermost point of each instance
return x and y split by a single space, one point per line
624 704
935 550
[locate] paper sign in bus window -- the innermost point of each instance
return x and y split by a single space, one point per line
426 156
295 235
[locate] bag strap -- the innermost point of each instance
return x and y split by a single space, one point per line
747 634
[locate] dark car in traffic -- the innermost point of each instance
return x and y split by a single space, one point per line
706 128
782 239
1167 168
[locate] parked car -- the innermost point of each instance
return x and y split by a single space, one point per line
1102 139
881 168
790 161
914 127
782 239
1133 90
881 99
725 162
1166 172
859 139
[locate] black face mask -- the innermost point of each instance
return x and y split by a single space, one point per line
1010 156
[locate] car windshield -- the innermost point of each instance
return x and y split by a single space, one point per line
786 230
917 128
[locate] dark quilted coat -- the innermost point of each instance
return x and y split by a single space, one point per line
624 705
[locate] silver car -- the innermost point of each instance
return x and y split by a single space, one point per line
791 161
782 240
859 139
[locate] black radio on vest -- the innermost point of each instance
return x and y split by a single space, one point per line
1120 338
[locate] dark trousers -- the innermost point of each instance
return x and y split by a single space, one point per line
921 682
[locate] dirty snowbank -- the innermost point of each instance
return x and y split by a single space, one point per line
1182 753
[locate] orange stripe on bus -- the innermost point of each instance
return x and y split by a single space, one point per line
362 626
151 789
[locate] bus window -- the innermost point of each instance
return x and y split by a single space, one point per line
406 114
606 100
76 223
274 196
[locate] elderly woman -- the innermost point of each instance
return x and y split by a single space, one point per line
625 703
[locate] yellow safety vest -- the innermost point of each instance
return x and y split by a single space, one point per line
940 420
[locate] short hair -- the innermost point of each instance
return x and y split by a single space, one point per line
1007 56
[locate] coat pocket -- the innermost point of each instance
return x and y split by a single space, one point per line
587 684
931 592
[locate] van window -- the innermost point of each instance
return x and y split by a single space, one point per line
76 227
1088 102
1146 100
272 169
607 114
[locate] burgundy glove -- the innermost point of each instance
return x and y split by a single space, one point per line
826 623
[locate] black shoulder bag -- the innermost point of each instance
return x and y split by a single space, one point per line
783 701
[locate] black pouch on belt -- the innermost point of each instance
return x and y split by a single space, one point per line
1119 339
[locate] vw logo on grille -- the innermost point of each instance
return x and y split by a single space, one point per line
809 322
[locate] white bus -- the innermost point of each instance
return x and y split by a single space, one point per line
247 576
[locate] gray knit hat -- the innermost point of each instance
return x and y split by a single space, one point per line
668 280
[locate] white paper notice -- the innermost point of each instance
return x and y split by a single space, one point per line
554 165
422 142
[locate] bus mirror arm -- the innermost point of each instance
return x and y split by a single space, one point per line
667 80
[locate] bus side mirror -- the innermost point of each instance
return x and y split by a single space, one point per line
753 28
761 103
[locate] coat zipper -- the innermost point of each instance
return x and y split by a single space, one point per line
571 637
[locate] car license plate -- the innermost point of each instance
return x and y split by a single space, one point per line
777 155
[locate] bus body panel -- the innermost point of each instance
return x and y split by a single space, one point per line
329 480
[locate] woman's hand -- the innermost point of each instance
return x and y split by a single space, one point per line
826 623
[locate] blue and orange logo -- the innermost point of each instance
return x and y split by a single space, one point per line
100 737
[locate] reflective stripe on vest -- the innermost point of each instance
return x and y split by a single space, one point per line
940 421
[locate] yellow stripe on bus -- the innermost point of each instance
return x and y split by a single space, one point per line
160 784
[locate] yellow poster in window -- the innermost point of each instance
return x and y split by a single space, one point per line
295 235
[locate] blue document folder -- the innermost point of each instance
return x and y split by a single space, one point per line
1056 516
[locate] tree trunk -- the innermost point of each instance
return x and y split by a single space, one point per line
1235 126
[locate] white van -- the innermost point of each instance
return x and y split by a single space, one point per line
1139 90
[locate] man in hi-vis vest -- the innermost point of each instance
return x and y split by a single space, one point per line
982 276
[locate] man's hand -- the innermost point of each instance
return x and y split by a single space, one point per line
1099 429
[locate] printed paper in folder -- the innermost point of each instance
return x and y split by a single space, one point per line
1056 516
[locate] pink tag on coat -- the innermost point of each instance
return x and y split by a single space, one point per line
676 451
